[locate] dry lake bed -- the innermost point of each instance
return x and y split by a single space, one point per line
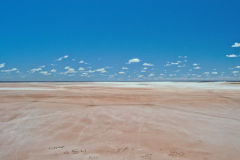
120 121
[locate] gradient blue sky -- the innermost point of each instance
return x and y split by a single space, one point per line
162 40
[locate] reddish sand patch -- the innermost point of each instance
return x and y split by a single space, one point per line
98 121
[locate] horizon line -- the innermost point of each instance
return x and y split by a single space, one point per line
128 81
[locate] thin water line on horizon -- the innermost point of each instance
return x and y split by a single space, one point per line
123 81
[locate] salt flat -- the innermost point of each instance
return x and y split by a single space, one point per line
120 121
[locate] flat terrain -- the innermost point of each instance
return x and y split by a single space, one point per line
120 121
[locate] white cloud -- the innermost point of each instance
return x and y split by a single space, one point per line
53 70
46 73
235 72
151 75
181 66
43 66
172 63
214 73
2 65
140 76
134 60
91 71
102 70
82 62
124 68
72 70
197 67
147 64
37 69
69 70
81 69
206 73
10 70
238 67
194 64
84 74
236 44
61 58
232 55
121 72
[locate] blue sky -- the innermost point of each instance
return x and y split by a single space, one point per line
119 40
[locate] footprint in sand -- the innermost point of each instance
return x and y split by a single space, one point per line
92 157
76 151
176 154
147 157
122 149
55 147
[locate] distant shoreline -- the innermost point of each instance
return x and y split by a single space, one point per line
111 81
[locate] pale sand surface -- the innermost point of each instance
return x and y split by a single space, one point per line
120 121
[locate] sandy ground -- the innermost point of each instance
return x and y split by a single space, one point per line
120 121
